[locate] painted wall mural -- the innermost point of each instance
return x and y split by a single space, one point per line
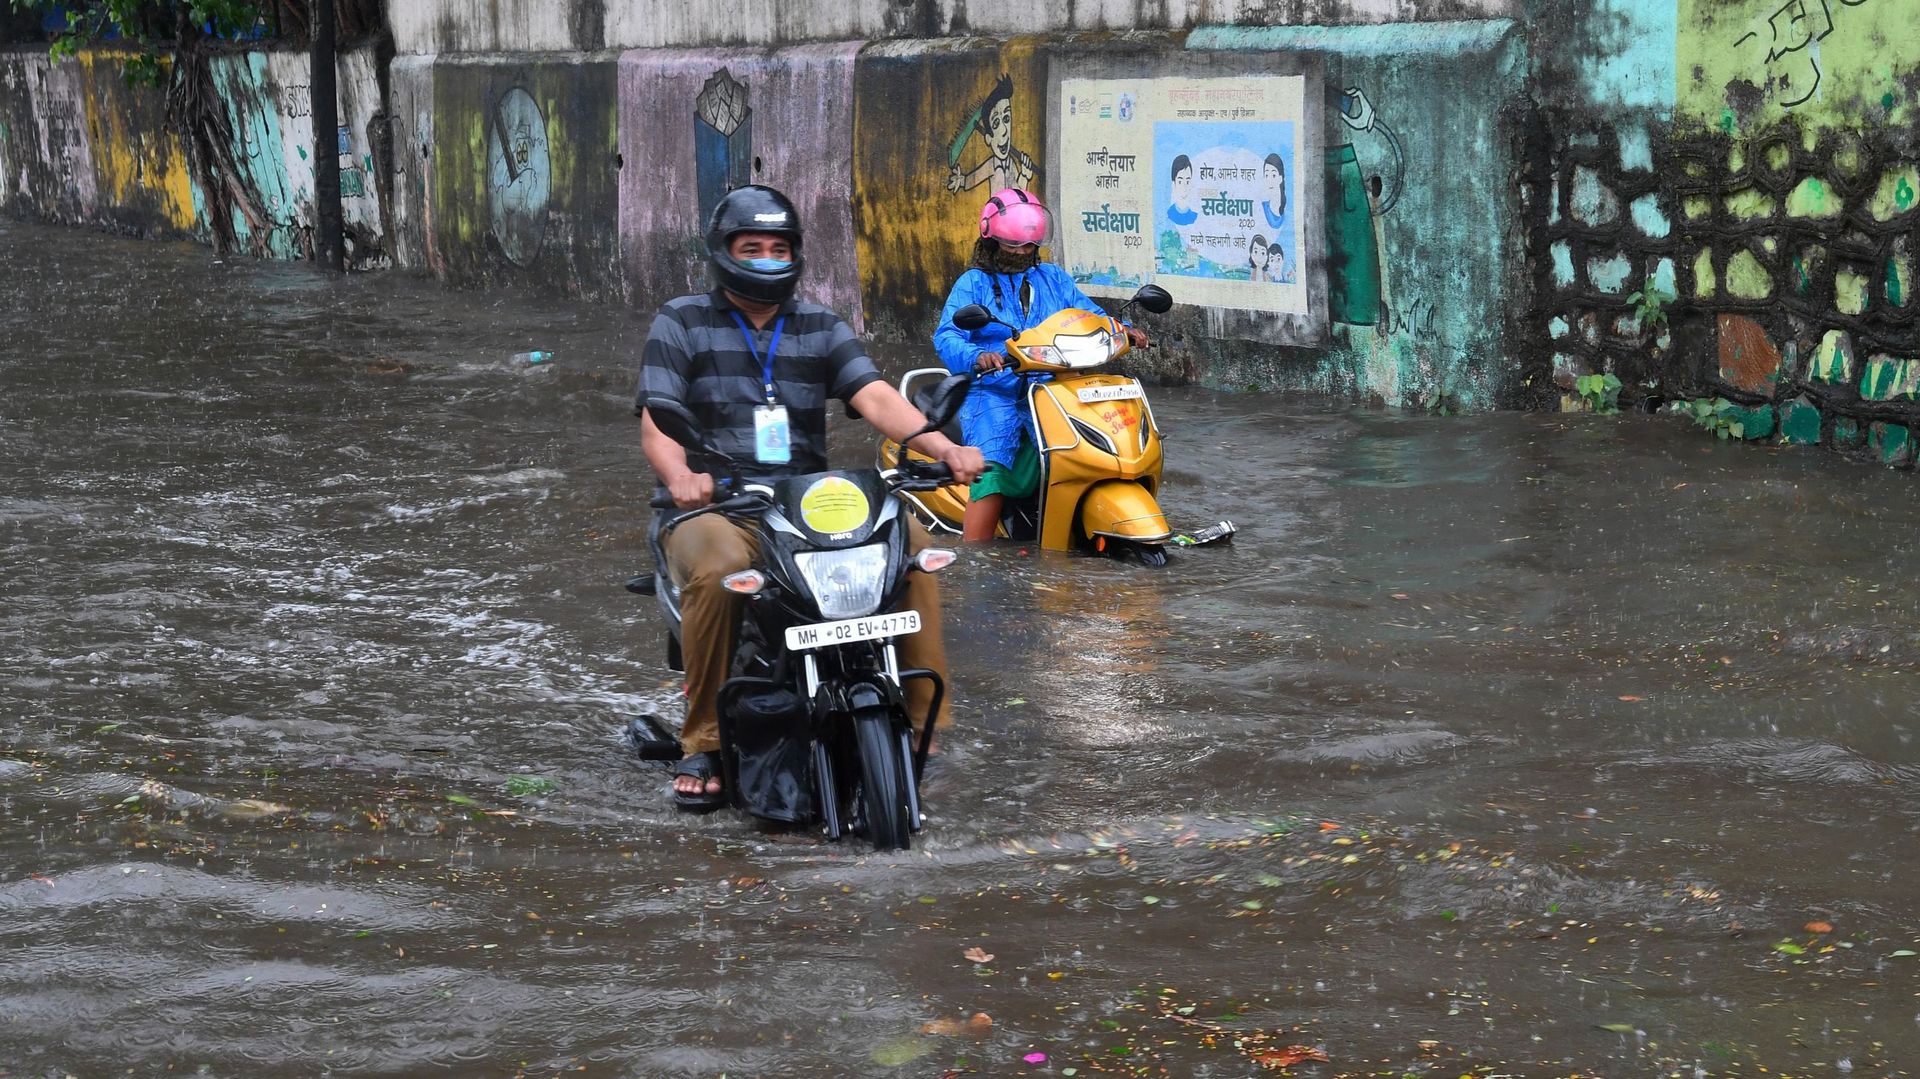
519 175
1003 165
722 139
695 124
520 171
1422 148
1746 64
938 126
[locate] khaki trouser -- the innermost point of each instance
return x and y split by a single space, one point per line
706 549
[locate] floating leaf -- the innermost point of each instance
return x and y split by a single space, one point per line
1819 927
1617 1028
900 1051
977 1025
1254 904
1790 948
1901 954
978 955
1631 697
1150 900
1268 880
106 727
1288 1057
523 786
461 800
1016 701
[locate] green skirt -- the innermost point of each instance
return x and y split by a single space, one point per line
1017 482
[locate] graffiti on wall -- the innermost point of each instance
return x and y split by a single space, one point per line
519 175
1358 195
722 140
1745 64
1005 165
1789 37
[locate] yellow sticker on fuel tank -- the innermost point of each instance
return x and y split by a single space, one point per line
834 505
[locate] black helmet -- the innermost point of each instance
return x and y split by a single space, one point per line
754 209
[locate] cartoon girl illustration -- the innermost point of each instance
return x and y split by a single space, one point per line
1257 257
1004 166
1273 173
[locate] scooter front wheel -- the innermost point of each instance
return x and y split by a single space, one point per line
883 781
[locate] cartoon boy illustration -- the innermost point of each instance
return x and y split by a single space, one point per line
1004 165
1273 174
1182 211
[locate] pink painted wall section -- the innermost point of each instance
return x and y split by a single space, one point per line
695 122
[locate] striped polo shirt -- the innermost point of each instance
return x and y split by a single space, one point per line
696 354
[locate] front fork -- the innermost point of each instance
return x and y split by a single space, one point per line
888 692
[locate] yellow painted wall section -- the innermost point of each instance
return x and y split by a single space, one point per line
938 126
139 161
1744 65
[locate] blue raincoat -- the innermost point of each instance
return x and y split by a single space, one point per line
994 417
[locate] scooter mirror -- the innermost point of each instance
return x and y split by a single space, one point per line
972 317
942 402
674 421
1154 299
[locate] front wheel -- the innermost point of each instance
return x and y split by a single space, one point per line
884 798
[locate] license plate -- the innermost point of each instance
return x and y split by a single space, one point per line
871 628
1110 393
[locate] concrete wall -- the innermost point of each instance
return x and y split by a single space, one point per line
80 145
1769 186
449 26
508 171
1425 298
694 123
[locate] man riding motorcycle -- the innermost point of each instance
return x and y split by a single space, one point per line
755 367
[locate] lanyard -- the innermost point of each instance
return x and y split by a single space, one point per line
773 347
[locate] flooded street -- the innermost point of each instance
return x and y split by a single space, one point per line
1517 744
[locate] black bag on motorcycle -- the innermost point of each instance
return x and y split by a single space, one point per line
773 756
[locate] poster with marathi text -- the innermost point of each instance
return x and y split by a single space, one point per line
1188 182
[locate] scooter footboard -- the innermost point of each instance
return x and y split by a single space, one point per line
1123 509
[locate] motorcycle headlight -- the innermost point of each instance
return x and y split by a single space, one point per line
846 583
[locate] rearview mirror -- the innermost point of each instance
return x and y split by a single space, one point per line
1154 299
674 421
942 403
972 317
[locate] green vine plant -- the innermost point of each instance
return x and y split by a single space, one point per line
1600 392
1649 304
1718 415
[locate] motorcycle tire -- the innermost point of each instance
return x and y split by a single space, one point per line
883 781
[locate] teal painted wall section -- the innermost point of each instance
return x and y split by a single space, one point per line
1627 59
248 94
1422 214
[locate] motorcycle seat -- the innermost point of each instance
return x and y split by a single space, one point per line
922 401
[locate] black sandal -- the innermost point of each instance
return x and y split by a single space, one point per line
701 766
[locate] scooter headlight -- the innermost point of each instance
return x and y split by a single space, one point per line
1086 350
847 583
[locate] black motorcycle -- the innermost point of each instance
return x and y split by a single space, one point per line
813 721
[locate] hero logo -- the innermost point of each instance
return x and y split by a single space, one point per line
840 536
771 219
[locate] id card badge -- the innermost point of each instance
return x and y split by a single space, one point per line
772 441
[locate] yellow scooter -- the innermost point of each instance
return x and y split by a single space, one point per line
1100 454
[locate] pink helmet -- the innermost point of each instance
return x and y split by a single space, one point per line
1014 216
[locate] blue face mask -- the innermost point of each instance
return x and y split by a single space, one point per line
767 265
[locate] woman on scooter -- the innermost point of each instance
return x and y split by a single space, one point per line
1008 279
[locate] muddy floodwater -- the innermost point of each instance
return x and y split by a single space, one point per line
1531 745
